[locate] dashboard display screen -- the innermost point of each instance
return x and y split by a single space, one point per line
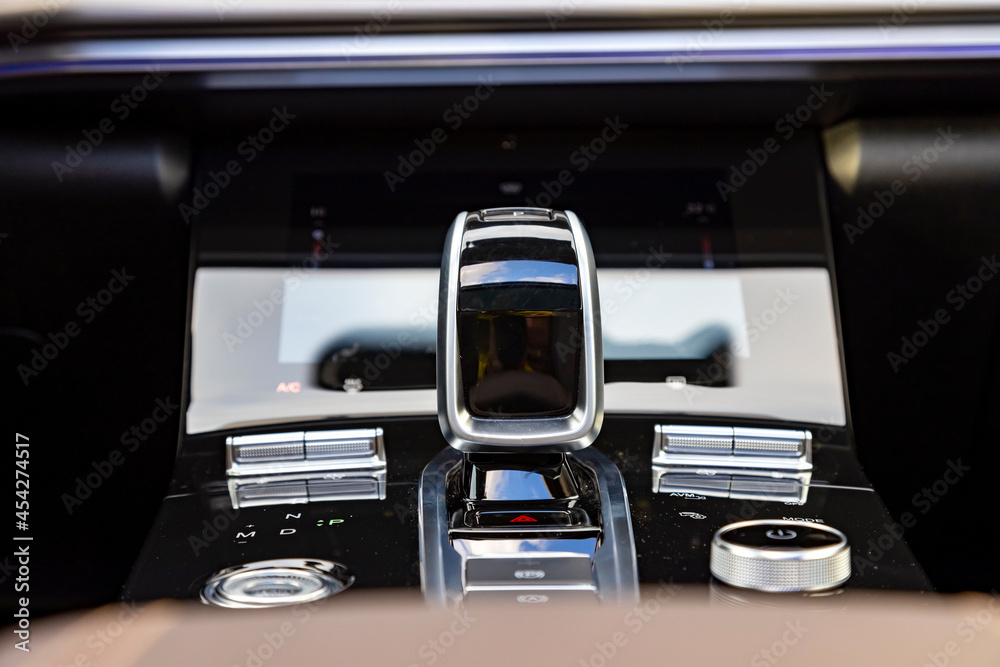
631 215
272 345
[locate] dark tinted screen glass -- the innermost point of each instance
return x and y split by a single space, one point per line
520 364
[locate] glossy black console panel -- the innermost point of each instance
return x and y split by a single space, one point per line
676 544
198 532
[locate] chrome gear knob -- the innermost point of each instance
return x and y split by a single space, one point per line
520 364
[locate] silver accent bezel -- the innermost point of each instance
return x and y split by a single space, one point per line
408 57
333 577
493 549
473 434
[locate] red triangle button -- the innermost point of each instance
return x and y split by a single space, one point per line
523 518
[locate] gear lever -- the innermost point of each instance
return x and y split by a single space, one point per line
519 503
520 366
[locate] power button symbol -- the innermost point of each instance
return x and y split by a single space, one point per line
781 534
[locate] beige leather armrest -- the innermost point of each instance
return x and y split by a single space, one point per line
689 626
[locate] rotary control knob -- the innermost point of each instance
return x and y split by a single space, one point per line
781 556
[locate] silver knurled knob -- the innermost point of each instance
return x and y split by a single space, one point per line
781 556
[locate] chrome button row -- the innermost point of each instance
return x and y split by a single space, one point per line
789 487
299 488
305 451
731 440
728 446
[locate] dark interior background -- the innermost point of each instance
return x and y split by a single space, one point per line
63 240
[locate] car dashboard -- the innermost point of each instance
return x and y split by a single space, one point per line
745 253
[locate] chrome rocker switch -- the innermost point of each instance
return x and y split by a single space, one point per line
518 503
305 466
764 464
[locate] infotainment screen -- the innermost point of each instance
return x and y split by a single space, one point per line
271 344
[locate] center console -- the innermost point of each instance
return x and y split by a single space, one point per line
528 512
606 374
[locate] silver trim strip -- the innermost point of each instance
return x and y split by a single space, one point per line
129 12
441 567
668 48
